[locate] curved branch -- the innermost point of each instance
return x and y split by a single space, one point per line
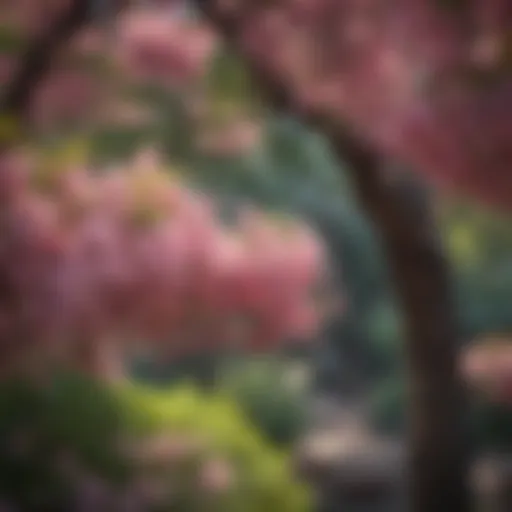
37 60
437 449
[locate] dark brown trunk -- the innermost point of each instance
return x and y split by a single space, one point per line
438 452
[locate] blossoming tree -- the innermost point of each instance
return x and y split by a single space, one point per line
424 83
94 262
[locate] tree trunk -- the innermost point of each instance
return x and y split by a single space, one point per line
438 452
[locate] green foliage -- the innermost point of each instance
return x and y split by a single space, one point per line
387 408
229 82
37 425
492 425
384 331
264 472
480 245
271 398
11 40
86 421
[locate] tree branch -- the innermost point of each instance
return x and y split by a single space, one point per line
437 449
37 60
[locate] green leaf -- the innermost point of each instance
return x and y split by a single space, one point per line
11 41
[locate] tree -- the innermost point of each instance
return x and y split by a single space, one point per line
424 83
92 263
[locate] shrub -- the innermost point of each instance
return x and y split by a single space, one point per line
276 404
75 440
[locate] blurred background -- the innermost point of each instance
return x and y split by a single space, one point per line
196 313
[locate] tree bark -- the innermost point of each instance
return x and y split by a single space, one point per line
400 214
37 60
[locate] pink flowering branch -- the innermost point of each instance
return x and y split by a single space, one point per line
38 58
438 466
33 68
36 62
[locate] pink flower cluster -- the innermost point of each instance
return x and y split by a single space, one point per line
148 44
131 254
428 81
487 367
158 45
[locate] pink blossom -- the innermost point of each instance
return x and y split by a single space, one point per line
121 256
424 82
156 45
216 476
